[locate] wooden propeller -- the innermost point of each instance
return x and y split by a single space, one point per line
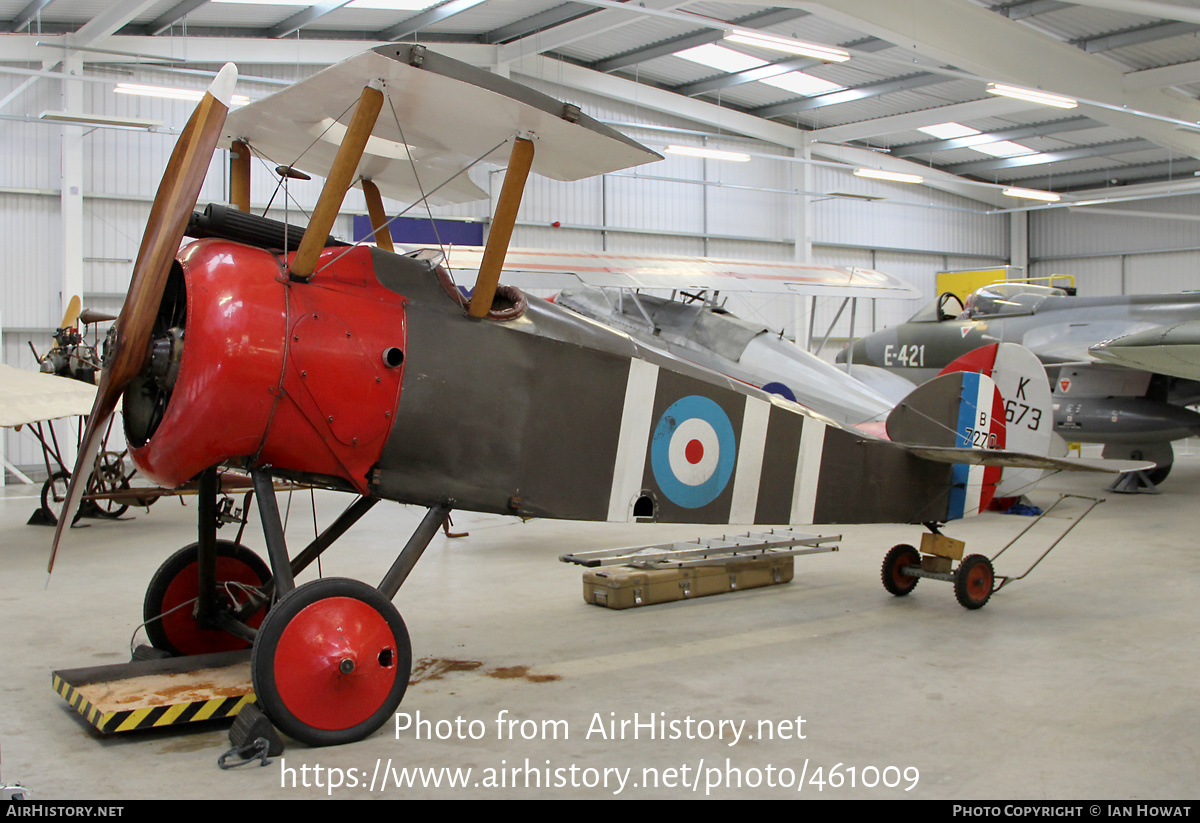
71 315
173 205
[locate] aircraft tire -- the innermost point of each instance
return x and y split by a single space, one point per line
894 580
167 608
973 581
52 500
1159 473
331 662
1163 455
112 509
108 477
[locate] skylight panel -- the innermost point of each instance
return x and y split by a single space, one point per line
948 131
1004 148
720 58
803 84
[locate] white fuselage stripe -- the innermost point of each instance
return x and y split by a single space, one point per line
633 441
983 420
750 460
808 471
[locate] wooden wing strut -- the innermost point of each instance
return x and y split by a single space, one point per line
340 176
379 221
519 163
239 176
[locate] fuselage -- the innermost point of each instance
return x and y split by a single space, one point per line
371 378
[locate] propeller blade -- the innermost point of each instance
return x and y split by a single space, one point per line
173 206
71 314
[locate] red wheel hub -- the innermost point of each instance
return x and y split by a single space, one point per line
898 576
979 582
335 663
180 624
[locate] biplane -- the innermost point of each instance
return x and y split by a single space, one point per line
65 387
693 323
33 398
358 369
109 492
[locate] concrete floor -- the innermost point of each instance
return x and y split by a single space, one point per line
1078 682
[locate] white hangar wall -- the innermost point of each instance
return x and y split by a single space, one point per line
753 210
1122 252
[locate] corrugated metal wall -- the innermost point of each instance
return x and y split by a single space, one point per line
1120 253
679 206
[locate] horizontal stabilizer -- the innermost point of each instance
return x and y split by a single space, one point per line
1004 458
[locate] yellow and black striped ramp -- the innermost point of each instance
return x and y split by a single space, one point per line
148 694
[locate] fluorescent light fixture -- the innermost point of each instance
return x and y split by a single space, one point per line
800 83
894 176
720 58
1033 194
749 37
948 131
169 93
711 154
81 119
1032 96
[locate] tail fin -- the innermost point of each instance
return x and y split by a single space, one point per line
962 410
1028 409
989 410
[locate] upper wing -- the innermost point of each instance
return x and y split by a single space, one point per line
1062 343
28 397
439 115
1173 350
530 268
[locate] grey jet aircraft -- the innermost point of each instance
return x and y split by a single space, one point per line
1136 412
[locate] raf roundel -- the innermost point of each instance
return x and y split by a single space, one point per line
692 452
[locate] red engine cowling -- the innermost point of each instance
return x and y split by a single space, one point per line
302 377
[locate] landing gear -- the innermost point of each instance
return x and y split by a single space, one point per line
973 581
169 607
1146 482
331 658
108 476
331 662
1159 473
894 578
